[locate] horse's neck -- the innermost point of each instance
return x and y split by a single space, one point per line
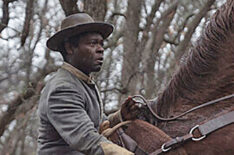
201 79
216 85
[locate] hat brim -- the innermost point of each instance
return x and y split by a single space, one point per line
55 42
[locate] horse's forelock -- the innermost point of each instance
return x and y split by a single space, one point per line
202 59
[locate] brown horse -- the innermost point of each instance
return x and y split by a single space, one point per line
207 74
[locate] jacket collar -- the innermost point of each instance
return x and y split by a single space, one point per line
79 74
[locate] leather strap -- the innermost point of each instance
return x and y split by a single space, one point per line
171 144
216 123
178 140
158 151
205 128
126 141
129 143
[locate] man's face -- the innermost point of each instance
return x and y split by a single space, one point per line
88 55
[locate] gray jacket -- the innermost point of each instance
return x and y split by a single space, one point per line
70 113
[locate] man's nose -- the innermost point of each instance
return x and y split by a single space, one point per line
100 48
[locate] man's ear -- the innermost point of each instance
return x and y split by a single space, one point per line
68 48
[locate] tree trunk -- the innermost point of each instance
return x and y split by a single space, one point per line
96 9
131 57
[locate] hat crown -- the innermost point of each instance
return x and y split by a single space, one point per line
76 19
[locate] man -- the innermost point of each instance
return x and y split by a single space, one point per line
70 108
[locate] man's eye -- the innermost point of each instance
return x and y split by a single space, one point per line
93 43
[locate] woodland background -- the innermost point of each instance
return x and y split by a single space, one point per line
150 40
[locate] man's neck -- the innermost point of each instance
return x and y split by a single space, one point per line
78 73
80 68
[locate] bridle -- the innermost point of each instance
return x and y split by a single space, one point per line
204 129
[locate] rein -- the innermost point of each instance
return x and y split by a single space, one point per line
145 102
108 132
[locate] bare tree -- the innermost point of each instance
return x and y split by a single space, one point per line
149 40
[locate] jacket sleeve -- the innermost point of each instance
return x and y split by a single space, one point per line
115 118
104 117
66 111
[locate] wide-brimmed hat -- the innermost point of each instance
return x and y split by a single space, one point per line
74 25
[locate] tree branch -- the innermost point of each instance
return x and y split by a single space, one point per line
5 14
191 28
69 6
33 89
170 41
28 17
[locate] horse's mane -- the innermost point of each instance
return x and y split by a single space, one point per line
201 65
